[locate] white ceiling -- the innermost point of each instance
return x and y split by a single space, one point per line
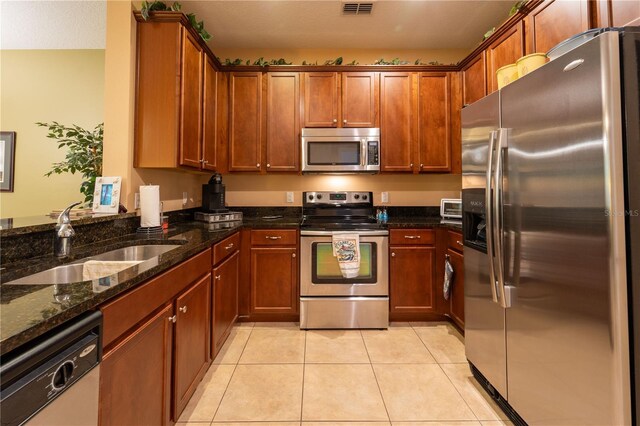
309 24
53 24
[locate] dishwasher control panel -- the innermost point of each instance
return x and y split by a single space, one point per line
36 377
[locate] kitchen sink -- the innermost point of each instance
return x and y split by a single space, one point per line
96 267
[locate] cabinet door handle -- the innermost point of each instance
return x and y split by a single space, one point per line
268 165
293 255
205 162
183 309
459 243
218 277
411 165
412 237
393 254
421 165
172 319
229 247
335 120
269 237
344 121
258 165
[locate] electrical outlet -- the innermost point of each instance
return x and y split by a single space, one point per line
385 197
185 198
136 201
289 197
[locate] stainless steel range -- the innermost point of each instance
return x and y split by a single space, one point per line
327 298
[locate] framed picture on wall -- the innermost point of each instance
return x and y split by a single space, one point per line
106 195
7 160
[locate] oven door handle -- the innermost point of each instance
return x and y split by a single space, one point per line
309 233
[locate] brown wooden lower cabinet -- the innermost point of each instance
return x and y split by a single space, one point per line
192 347
225 299
135 376
411 276
456 297
274 280
159 334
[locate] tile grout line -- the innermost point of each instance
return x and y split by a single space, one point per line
384 404
423 343
304 368
232 374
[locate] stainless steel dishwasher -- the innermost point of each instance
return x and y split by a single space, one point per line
55 380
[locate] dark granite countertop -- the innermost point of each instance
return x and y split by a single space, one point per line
28 311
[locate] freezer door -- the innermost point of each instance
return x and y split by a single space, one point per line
567 332
484 319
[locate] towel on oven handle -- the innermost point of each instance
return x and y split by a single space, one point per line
346 248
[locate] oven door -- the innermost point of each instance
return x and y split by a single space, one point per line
320 272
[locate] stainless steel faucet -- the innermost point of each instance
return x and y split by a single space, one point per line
64 232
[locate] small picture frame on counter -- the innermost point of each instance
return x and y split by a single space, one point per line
106 195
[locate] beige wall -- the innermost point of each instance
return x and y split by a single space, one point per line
66 86
404 190
363 56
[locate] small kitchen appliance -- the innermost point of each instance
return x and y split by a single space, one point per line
451 209
327 298
213 195
341 150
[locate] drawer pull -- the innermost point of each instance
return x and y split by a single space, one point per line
393 254
173 319
269 237
218 277
459 243
229 247
412 237
183 309
293 255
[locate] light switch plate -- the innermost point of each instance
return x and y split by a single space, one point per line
385 197
136 201
185 198
289 197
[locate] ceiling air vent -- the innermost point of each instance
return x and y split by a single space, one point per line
357 8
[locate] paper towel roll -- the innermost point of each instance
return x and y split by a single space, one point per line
149 206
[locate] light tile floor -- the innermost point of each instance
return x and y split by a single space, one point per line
272 374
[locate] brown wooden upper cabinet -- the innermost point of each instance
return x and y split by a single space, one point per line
434 126
397 121
245 121
505 50
474 79
554 21
348 99
415 122
175 99
283 122
617 13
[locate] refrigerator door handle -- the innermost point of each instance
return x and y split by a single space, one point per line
488 203
501 149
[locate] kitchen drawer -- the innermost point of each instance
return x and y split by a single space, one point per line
225 247
274 237
412 237
129 309
455 241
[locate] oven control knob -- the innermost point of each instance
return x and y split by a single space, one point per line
319 196
364 197
310 197
357 197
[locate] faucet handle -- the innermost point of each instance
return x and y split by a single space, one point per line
64 216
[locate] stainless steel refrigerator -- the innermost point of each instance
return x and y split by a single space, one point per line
551 199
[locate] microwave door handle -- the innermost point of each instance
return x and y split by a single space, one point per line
488 205
363 152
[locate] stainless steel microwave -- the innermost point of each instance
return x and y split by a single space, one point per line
346 150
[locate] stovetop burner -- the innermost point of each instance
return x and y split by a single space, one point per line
339 210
